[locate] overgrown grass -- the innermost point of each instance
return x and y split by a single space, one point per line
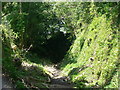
93 58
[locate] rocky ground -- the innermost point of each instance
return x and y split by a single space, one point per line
57 80
6 82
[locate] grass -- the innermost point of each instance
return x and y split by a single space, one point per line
93 57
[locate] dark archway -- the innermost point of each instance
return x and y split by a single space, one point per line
57 46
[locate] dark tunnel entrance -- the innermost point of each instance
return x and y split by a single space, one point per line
54 48
57 46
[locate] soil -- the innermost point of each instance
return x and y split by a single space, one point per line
57 80
6 82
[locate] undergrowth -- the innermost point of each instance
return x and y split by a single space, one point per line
30 73
92 60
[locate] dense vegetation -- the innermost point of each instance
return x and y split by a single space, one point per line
82 38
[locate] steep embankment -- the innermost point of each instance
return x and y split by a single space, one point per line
92 60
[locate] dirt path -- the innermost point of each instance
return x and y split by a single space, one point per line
6 83
57 79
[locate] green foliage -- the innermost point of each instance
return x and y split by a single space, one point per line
72 21
31 19
10 52
95 51
114 82
91 61
19 84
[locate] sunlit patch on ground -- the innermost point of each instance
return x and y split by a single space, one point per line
57 79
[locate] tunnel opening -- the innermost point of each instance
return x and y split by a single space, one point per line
57 46
54 48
